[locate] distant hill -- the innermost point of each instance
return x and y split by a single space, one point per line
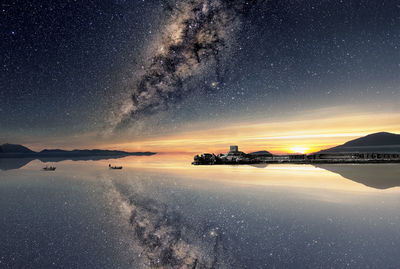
14 148
261 153
19 151
87 152
377 142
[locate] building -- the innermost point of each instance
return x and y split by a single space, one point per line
234 155
233 149
205 158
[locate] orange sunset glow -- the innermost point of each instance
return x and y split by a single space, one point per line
292 136
300 149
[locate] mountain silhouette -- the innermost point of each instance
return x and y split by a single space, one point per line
14 148
261 153
377 142
19 151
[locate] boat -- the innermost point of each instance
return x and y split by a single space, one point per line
114 167
49 168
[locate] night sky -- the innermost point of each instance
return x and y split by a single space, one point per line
125 70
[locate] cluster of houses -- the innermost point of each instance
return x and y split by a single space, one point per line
234 156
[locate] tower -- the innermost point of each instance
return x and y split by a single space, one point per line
233 149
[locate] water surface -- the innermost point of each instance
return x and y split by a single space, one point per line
160 211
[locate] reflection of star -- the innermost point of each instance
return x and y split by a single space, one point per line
213 233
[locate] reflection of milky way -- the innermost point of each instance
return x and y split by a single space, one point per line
193 43
164 238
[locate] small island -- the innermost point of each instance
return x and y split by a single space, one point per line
374 148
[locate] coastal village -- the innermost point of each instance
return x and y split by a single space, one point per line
234 156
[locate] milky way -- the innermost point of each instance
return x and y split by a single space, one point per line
194 44
76 69
162 237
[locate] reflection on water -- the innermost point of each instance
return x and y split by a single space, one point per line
16 163
378 176
259 165
165 235
9 164
162 212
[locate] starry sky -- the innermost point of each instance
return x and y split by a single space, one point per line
154 74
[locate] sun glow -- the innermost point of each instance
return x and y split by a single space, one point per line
310 133
299 149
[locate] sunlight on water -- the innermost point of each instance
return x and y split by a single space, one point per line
289 175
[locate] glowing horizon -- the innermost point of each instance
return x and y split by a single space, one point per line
307 132
291 136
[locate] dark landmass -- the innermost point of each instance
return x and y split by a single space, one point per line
19 151
13 148
374 148
261 153
89 153
377 143
212 159
16 156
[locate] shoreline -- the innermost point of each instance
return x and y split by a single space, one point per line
234 156
305 162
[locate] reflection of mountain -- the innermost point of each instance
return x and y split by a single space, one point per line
259 165
9 164
378 176
16 163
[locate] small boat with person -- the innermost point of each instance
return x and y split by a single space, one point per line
114 167
49 168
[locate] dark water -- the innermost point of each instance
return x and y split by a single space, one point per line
161 212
